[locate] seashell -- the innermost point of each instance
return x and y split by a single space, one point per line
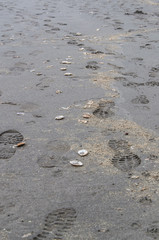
76 163
68 74
86 115
83 121
59 117
78 34
63 69
66 62
20 113
58 91
39 74
82 152
20 144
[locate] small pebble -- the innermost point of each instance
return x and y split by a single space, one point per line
82 152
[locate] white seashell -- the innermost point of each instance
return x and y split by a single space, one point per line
20 113
63 69
59 117
82 152
66 62
68 74
78 34
58 91
76 163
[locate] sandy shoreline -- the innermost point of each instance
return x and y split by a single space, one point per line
95 64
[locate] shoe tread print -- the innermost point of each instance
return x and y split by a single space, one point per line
56 224
7 140
124 159
126 162
11 137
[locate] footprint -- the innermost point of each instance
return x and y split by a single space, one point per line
126 162
50 160
57 223
142 99
103 111
6 152
153 231
118 145
7 140
58 147
54 156
92 65
11 137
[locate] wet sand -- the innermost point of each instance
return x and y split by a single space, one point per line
96 64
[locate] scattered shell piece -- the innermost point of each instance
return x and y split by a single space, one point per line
81 49
58 91
82 152
59 117
65 108
78 34
68 74
83 121
97 29
134 177
32 70
26 235
50 66
39 74
19 144
76 163
63 69
20 113
66 62
86 115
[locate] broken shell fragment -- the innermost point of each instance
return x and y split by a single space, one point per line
78 34
59 117
83 121
86 115
66 62
82 152
76 163
19 144
20 113
58 91
68 74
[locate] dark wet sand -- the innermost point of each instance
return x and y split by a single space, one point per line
112 73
